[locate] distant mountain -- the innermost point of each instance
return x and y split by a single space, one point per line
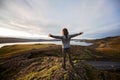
116 38
108 40
12 40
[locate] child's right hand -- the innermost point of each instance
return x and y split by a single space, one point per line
49 35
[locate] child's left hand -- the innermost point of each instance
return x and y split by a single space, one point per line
81 32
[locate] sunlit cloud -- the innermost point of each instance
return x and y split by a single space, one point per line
38 18
19 34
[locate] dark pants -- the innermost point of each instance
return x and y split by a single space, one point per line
65 52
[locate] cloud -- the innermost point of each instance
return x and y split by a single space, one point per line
40 17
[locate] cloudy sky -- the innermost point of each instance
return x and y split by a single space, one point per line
38 18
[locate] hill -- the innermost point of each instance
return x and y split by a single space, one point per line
43 61
109 46
41 64
12 40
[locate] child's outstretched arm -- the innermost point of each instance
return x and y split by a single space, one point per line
74 35
53 36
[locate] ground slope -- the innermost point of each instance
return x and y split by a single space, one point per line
43 62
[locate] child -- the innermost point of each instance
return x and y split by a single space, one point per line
66 45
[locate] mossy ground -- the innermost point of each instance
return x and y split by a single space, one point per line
43 62
53 71
109 47
8 51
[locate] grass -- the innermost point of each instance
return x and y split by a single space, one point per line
91 72
30 76
43 71
48 67
110 75
111 50
46 64
54 72
8 51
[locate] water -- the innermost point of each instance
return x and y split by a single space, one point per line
47 42
105 65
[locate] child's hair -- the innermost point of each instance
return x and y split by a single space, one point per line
65 32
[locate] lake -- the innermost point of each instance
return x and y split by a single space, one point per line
105 65
47 42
